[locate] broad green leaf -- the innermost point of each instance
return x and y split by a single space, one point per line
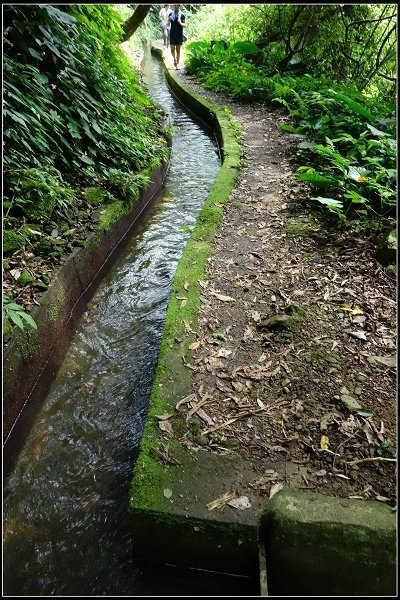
328 201
245 48
355 106
318 180
364 413
357 174
306 145
16 319
377 132
13 306
28 319
34 53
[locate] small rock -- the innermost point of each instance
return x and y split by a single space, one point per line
350 403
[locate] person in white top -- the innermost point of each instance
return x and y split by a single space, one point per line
164 23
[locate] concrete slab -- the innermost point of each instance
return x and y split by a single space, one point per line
327 546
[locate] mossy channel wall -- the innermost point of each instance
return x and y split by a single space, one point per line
300 543
33 357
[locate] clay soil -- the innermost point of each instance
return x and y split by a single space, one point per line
295 361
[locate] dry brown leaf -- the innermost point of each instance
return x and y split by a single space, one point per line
277 487
224 352
164 417
239 387
222 297
221 501
166 426
194 345
186 400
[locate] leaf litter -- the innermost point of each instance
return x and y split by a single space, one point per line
276 398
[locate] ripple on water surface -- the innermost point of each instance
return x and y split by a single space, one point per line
65 509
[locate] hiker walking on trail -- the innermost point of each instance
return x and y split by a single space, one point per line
164 23
177 21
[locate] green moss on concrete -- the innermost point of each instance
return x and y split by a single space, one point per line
28 343
54 309
111 214
330 546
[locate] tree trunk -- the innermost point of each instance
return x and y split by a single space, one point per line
138 16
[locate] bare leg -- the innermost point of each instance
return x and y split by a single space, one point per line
173 52
178 55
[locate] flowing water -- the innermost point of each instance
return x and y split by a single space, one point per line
65 520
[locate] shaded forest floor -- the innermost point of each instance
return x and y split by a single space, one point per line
295 360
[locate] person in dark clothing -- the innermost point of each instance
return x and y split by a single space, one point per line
177 21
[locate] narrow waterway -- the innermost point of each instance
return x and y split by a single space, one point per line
65 503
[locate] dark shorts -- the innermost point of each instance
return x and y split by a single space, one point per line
176 38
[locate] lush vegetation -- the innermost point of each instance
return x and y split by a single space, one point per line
332 69
79 131
80 134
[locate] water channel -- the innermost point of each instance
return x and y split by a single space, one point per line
65 526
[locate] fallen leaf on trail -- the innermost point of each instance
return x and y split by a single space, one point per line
325 420
388 361
359 319
164 417
382 499
194 346
364 413
203 415
277 487
260 403
342 476
357 334
186 285
238 386
223 297
321 473
165 426
183 303
240 503
186 399
221 501
167 493
324 442
224 352
15 273
188 328
354 311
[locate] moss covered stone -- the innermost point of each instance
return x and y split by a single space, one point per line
25 278
12 242
94 195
